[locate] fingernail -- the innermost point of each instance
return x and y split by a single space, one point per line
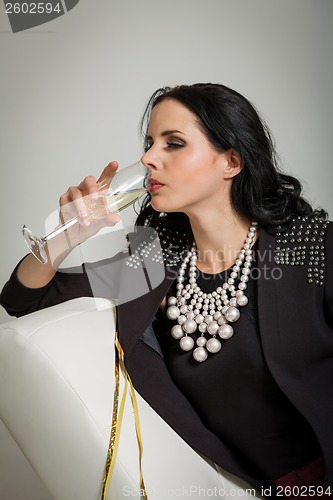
85 222
83 213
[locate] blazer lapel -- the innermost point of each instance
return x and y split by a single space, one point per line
146 277
135 315
267 310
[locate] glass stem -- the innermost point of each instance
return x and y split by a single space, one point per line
60 229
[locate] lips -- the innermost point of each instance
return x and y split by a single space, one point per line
154 185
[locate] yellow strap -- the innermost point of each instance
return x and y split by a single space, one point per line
117 417
138 437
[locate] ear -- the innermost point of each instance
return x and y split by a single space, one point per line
233 164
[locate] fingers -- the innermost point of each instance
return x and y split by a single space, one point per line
112 219
89 186
80 200
108 174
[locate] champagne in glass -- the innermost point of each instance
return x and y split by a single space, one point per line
126 186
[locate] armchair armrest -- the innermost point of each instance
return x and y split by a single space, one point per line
56 383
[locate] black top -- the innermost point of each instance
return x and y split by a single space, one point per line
275 438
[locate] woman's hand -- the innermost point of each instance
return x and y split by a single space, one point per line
86 201
32 273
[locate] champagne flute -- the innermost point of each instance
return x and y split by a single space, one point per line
127 186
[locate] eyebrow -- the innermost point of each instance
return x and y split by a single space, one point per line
167 132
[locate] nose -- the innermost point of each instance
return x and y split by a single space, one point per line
150 160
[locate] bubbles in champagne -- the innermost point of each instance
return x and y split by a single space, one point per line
108 203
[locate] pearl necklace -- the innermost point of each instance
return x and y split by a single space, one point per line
210 313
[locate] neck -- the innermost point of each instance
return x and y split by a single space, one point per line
219 239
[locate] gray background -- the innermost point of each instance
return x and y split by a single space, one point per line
73 90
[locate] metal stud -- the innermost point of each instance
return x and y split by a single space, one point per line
309 249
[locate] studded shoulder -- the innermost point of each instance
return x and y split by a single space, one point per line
174 245
304 244
161 245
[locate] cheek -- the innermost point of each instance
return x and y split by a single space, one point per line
188 182
179 196
204 179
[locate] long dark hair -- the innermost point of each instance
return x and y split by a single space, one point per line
260 192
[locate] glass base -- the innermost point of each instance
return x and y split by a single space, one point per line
35 244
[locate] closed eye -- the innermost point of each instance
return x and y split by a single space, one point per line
170 145
174 145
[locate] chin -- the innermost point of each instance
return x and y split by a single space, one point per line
158 205
164 207
165 204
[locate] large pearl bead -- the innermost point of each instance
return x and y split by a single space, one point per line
181 319
213 345
233 302
212 327
221 320
202 327
242 300
172 301
225 331
199 318
189 326
200 354
201 341
172 312
186 343
177 332
232 314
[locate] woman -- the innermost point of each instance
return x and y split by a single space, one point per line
233 346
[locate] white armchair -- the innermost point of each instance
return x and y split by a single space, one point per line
56 396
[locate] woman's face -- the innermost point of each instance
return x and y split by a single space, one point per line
187 174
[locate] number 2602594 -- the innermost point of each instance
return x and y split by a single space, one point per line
33 8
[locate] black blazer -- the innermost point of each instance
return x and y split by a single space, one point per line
295 302
295 306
